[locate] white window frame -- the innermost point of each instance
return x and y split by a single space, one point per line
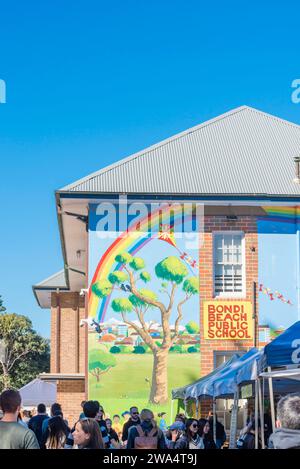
241 294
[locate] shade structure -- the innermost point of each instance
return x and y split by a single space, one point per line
200 388
38 392
243 371
285 349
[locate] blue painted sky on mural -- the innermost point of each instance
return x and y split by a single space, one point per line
91 82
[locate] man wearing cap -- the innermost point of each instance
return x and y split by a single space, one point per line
174 433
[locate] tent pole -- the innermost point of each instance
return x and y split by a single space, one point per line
197 408
256 414
233 420
172 405
271 400
214 421
261 412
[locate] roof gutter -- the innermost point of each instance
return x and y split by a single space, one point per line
62 237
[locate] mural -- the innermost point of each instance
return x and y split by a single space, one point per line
278 262
144 301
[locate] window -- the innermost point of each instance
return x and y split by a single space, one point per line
228 264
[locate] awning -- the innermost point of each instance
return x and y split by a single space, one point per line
38 392
285 349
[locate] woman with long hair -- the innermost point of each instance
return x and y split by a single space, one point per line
190 439
87 434
57 433
205 434
146 435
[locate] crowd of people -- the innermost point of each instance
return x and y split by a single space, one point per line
140 430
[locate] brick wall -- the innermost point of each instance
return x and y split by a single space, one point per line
247 224
70 394
67 305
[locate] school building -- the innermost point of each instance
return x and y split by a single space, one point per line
243 168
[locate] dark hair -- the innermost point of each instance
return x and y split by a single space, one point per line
201 425
133 407
288 411
57 432
97 404
181 418
116 415
41 408
188 432
91 427
90 409
82 403
56 409
161 414
10 400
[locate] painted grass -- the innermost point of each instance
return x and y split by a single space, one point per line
127 385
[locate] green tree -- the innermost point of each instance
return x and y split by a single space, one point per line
24 353
115 349
139 349
2 307
174 274
100 362
192 327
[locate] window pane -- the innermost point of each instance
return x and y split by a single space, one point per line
228 263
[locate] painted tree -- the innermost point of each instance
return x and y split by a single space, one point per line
192 327
100 362
174 275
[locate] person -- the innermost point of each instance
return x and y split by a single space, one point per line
190 440
91 411
126 415
162 422
180 418
101 422
220 430
247 437
87 434
21 421
206 435
12 434
81 416
57 433
113 436
55 411
26 416
36 422
116 425
132 422
177 429
146 434
287 433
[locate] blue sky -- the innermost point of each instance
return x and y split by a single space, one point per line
89 82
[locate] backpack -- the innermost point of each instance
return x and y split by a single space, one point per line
143 441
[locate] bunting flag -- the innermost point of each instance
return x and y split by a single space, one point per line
166 233
273 295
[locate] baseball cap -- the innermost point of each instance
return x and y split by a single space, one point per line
177 426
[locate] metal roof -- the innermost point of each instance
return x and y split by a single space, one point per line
241 152
55 281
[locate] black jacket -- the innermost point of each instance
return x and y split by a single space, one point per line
284 438
35 424
126 427
146 427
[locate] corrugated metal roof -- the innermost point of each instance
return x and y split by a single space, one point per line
55 281
244 151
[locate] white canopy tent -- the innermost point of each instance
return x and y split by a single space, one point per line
38 392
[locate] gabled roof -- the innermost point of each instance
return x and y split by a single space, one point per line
241 152
42 290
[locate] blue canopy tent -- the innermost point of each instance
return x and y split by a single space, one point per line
282 353
285 349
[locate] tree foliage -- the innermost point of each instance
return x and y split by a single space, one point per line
192 327
25 352
172 269
118 276
100 362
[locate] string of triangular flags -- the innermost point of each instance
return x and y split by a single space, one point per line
273 295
